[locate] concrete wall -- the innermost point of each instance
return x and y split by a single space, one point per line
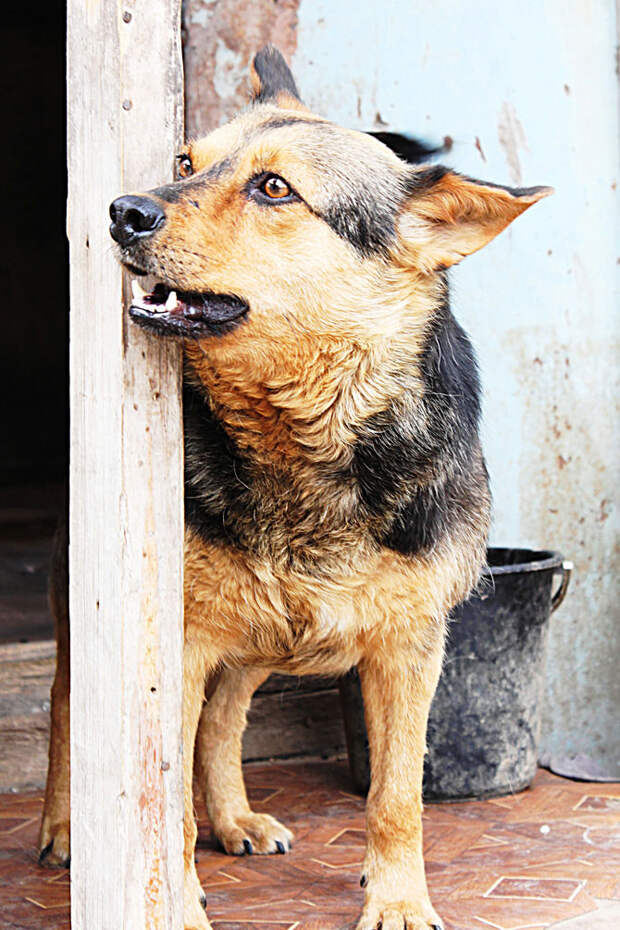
528 92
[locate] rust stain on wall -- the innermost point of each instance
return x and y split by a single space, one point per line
480 149
220 37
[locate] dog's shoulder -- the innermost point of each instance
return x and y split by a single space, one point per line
418 463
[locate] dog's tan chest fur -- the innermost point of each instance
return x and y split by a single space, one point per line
247 611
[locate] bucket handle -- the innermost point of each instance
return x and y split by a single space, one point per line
565 568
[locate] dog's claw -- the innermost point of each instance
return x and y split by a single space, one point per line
63 863
45 851
254 835
363 881
203 900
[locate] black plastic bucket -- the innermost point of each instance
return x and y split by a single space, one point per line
484 722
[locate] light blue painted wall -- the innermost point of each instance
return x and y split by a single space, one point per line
535 82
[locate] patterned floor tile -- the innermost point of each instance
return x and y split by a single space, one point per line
545 858
535 889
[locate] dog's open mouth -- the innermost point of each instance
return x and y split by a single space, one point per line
189 315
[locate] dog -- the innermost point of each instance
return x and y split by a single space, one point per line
336 496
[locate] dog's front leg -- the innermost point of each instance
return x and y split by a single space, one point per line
195 667
397 690
218 760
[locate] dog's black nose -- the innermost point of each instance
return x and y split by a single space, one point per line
134 218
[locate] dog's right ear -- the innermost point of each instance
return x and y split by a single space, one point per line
272 80
448 216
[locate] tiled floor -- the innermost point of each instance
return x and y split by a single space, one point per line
548 857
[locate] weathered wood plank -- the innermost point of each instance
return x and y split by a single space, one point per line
126 514
14 655
289 717
294 723
23 751
26 672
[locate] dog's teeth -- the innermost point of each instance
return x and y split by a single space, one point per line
171 301
136 290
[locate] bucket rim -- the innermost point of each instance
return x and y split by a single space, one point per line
539 560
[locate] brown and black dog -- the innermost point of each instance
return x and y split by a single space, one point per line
336 497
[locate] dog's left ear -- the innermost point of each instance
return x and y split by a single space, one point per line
272 80
448 216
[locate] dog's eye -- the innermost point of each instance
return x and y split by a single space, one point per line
275 187
271 189
185 167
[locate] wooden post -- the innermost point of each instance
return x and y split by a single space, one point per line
126 512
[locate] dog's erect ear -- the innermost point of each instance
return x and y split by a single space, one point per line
448 216
272 81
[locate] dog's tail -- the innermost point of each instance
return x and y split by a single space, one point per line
411 149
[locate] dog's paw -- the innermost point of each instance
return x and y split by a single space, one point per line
194 903
396 895
395 903
401 915
54 846
251 834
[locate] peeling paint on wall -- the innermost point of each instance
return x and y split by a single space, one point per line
564 488
511 137
220 38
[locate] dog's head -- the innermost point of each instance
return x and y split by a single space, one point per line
290 224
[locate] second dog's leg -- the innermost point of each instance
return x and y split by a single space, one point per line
397 696
194 674
218 762
54 835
